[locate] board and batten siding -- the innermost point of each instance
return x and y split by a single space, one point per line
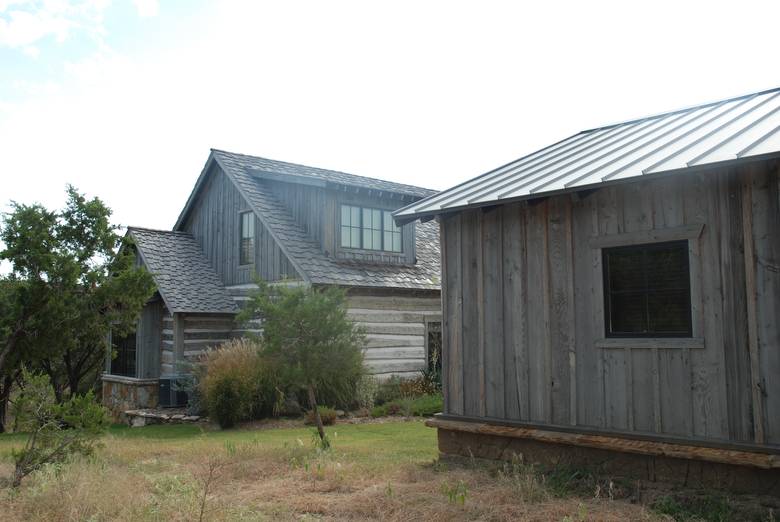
214 222
318 211
523 309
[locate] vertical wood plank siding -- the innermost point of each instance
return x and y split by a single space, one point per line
524 311
214 222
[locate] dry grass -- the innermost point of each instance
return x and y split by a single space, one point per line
374 471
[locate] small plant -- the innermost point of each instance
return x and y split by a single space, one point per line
455 493
525 478
328 416
366 391
56 431
709 507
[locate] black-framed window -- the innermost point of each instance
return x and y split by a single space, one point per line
647 290
369 229
124 362
247 238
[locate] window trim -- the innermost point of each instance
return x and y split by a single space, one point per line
241 238
614 336
383 212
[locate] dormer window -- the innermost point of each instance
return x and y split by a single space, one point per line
369 229
247 245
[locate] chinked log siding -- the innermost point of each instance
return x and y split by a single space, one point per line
523 310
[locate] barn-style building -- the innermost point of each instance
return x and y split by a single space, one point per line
614 298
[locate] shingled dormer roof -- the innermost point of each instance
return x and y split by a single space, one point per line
283 171
185 279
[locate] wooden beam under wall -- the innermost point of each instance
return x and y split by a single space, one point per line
752 315
613 443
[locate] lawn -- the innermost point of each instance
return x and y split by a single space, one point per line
381 471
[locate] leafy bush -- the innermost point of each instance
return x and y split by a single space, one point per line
389 390
423 406
56 431
315 348
366 391
427 405
328 416
236 383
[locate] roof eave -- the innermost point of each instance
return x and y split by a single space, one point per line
401 218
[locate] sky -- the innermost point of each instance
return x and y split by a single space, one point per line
124 98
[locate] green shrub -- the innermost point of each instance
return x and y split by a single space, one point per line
366 391
236 383
227 404
389 390
427 405
423 406
55 431
328 416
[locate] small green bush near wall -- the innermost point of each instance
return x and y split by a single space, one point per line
423 406
328 416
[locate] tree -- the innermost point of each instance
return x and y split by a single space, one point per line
309 340
70 282
54 431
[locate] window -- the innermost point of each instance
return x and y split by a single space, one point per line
124 362
647 290
247 246
392 234
372 229
369 229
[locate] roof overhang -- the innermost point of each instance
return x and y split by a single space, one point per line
408 214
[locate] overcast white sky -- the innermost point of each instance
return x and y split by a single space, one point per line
124 98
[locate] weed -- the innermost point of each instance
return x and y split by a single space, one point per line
455 493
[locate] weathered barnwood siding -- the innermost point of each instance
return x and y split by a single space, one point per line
318 211
395 331
524 314
214 222
148 339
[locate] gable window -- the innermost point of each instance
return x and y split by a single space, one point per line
369 229
247 242
647 290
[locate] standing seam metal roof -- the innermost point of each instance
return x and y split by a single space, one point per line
742 128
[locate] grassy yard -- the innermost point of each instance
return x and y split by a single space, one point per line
383 471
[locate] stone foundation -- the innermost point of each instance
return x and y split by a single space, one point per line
126 393
651 468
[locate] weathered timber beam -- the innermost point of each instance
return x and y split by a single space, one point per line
642 447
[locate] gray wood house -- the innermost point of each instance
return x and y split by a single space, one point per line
288 224
619 292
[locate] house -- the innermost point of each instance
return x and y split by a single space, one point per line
287 224
614 298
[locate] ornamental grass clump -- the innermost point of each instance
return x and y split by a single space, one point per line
236 383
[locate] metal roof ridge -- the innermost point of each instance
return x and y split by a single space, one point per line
685 109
